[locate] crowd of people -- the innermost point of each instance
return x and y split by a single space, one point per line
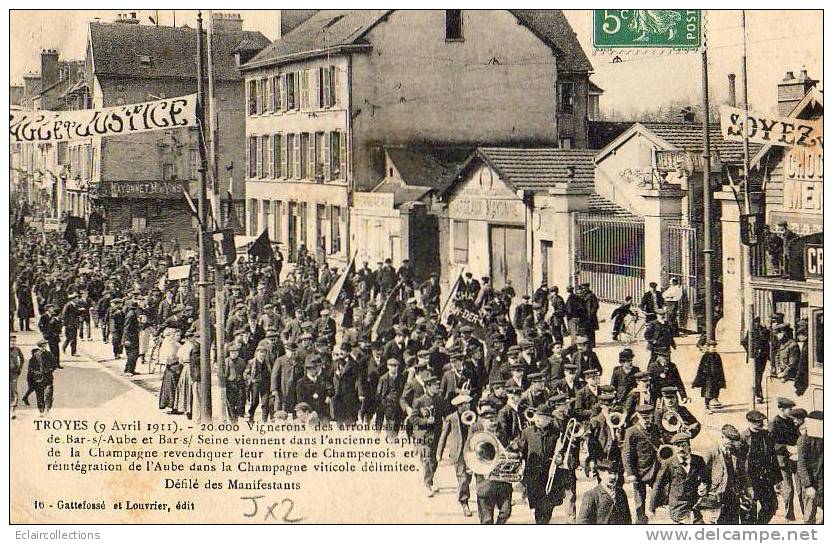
377 346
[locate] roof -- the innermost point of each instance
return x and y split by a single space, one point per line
683 136
116 48
689 137
597 204
537 169
329 30
326 30
814 97
401 193
552 27
422 170
595 89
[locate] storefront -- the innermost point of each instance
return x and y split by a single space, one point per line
788 261
488 232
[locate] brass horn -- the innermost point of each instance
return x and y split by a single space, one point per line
482 453
529 414
672 421
664 452
468 418
616 420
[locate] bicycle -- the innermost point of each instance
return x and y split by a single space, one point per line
632 329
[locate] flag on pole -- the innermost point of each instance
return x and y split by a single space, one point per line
445 311
384 321
70 235
463 306
338 286
261 248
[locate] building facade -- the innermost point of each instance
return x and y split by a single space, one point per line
325 100
137 181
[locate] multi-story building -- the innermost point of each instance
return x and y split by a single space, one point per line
324 101
137 180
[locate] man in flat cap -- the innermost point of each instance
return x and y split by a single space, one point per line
785 433
455 434
584 357
639 457
729 486
388 392
491 494
587 398
758 452
810 465
683 479
671 403
426 418
605 504
652 300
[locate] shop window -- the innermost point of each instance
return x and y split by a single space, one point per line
460 253
454 25
818 339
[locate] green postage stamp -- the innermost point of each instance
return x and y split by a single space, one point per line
647 28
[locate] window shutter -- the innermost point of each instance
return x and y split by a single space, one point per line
276 156
326 157
283 92
267 156
326 94
304 90
316 97
335 92
297 157
342 155
258 153
288 155
311 155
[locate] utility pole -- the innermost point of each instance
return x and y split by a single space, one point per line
745 252
219 303
205 325
707 201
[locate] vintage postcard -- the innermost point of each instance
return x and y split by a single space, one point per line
397 266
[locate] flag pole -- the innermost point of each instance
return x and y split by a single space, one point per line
219 294
707 197
745 251
205 325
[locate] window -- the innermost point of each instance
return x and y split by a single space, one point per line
453 25
460 250
253 230
326 86
335 230
139 223
304 170
277 162
258 157
302 206
252 97
290 156
262 97
265 156
338 157
818 339
304 90
319 157
276 221
252 156
565 143
168 171
265 208
321 227
566 96
274 93
291 98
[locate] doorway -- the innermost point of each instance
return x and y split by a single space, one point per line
507 257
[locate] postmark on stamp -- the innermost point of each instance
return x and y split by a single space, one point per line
647 28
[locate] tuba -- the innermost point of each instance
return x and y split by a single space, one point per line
529 414
664 452
485 456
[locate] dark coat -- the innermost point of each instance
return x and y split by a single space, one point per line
25 304
639 452
710 378
346 398
680 487
599 508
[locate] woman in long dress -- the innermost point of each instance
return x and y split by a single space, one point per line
170 377
184 387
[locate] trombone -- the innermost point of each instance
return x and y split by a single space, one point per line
572 432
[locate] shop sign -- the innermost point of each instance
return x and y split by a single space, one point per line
813 261
498 210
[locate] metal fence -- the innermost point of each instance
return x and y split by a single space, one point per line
610 256
681 258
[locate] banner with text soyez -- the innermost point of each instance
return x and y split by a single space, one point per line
768 129
60 126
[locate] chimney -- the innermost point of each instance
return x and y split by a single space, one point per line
792 89
227 22
49 72
292 18
31 84
128 18
733 97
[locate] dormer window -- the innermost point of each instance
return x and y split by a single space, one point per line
453 25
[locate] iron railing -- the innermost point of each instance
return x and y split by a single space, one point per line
610 256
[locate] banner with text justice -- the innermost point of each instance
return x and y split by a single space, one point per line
59 126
